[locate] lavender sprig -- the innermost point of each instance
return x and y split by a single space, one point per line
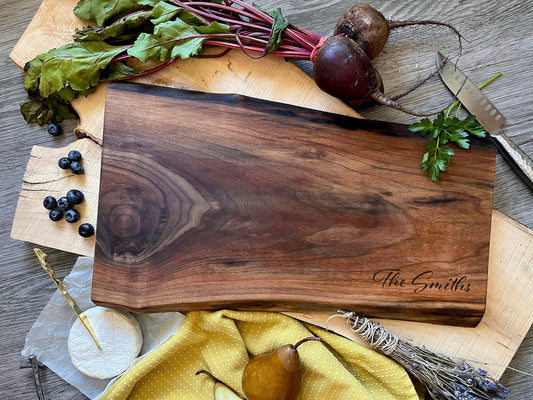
444 377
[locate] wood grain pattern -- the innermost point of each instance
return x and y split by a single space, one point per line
503 45
276 206
270 78
511 261
44 178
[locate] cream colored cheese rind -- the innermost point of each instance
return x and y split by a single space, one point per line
119 335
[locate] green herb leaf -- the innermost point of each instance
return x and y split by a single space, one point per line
424 126
441 131
173 39
463 143
101 11
126 26
436 160
435 132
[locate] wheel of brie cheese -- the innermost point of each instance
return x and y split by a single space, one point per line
120 338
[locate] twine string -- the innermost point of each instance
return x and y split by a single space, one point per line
316 48
376 335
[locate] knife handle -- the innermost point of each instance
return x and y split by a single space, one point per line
519 161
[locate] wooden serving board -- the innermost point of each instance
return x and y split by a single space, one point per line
508 314
210 201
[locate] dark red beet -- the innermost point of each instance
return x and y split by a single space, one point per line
342 69
370 29
368 101
366 26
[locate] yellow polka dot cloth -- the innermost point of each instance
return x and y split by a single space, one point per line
222 342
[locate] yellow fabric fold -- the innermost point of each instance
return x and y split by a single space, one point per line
222 342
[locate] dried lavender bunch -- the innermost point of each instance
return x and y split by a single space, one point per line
444 377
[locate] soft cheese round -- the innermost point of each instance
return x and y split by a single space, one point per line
119 335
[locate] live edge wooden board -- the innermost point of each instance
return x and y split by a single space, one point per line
210 201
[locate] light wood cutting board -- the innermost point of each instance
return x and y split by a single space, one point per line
508 315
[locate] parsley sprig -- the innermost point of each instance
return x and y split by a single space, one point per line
444 130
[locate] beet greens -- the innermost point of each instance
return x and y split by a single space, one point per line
162 31
156 33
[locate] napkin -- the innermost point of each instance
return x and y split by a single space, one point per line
47 339
222 342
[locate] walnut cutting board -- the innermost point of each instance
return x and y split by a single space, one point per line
210 201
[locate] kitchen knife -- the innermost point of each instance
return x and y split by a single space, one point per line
487 115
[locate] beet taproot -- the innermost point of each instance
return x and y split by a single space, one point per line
342 69
370 29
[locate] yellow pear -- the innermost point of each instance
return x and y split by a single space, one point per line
275 375
221 391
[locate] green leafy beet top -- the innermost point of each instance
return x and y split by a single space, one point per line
149 30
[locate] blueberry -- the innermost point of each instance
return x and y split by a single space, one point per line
55 215
64 163
86 230
72 215
76 168
75 196
74 155
54 129
63 204
49 202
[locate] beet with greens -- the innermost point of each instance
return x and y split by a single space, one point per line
149 31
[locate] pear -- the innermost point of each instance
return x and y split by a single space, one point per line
275 375
221 391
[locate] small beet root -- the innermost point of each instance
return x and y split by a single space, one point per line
370 29
343 70
366 26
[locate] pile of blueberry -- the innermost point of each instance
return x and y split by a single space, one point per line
63 207
72 161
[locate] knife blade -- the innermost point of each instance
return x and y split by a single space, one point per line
60 285
492 120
